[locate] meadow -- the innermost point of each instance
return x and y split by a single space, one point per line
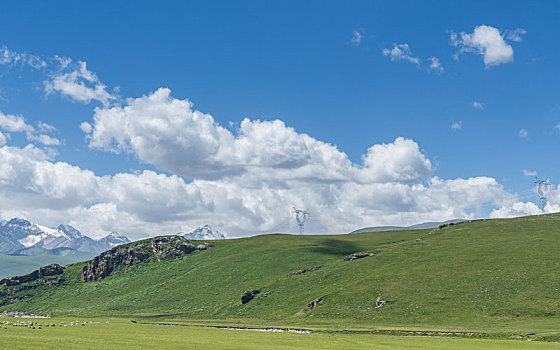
123 334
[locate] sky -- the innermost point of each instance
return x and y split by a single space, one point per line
153 118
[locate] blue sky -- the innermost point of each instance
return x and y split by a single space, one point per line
325 69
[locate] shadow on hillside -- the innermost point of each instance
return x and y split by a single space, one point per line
334 247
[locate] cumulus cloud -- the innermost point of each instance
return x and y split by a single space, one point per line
486 41
478 105
435 66
523 133
14 123
400 161
150 203
529 173
2 139
515 210
170 134
401 52
78 83
86 127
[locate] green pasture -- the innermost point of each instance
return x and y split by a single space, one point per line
123 334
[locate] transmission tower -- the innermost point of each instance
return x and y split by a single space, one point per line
301 217
542 188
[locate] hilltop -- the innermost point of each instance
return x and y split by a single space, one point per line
489 275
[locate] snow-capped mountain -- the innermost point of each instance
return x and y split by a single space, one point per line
202 233
19 234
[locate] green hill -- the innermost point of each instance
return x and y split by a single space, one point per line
488 275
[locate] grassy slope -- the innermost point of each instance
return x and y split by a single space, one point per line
495 275
19 265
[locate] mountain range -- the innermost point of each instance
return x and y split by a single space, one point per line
21 237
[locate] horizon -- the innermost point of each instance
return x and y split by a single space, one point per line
163 120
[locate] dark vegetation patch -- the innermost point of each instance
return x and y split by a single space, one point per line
336 247
249 295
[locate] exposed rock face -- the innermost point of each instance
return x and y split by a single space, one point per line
300 272
45 271
358 256
121 257
204 246
169 247
114 260
249 295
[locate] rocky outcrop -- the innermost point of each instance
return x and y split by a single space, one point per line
170 247
204 246
119 258
358 256
249 295
313 304
300 272
116 259
45 271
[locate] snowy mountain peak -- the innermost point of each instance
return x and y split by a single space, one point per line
70 231
113 239
202 233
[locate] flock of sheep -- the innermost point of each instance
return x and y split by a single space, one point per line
37 325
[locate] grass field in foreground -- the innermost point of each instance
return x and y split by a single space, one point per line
122 334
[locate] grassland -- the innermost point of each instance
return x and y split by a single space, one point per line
495 277
123 334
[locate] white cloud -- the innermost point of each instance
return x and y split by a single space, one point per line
435 66
169 134
400 52
44 127
400 161
515 35
486 41
2 139
149 203
529 173
16 123
11 58
356 38
523 133
44 139
86 127
78 83
515 210
478 105
457 126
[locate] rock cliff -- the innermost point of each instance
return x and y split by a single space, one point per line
45 271
112 261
